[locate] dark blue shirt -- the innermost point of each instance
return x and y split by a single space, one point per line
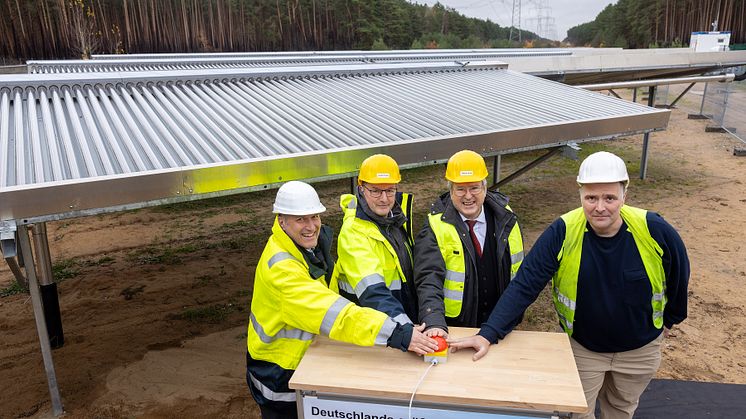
613 304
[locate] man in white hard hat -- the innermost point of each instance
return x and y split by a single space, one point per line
619 283
295 298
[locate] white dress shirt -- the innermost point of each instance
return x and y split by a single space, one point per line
480 227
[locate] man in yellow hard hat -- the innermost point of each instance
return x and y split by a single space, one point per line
375 242
295 298
619 283
468 250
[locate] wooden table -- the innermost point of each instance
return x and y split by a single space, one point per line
525 375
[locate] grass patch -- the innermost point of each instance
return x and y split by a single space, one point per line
156 256
205 204
102 261
211 314
238 225
12 289
65 269
234 243
153 256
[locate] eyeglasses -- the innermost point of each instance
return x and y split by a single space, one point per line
461 191
376 193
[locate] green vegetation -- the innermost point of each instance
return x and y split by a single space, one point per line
38 29
102 261
659 23
12 289
151 255
65 269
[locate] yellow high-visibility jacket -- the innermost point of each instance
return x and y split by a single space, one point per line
289 308
368 270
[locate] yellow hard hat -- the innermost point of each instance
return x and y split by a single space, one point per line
379 168
466 166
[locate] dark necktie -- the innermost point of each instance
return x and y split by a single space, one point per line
474 238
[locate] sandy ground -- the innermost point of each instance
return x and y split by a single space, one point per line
154 302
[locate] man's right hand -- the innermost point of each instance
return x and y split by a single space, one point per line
436 331
479 343
421 343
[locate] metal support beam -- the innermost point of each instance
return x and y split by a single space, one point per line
17 273
657 82
41 251
681 95
614 93
496 169
41 325
704 95
49 297
353 185
9 249
646 138
527 167
634 94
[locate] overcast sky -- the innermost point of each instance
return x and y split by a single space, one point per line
563 13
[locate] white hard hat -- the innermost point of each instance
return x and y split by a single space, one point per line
297 198
602 167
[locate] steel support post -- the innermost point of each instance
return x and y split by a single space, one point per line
704 96
9 249
496 169
41 251
17 273
726 93
41 325
47 286
646 137
634 94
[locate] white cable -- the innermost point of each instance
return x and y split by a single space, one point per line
411 399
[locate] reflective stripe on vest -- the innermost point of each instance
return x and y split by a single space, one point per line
406 207
380 247
515 242
271 395
382 338
279 257
282 334
452 250
403 319
331 315
565 280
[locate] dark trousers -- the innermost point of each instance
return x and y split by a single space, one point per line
271 409
279 410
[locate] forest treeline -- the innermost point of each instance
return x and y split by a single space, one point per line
48 29
660 23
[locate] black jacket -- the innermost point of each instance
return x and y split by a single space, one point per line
430 267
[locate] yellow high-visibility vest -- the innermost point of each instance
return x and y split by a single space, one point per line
565 280
452 250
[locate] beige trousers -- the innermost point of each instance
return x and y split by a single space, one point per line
616 379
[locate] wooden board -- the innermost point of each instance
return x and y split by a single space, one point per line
527 370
